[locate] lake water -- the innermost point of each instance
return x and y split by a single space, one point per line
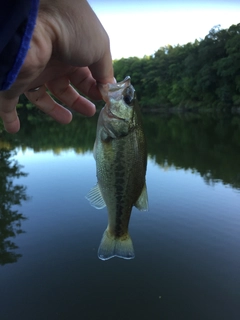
187 246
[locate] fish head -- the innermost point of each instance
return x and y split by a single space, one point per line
118 113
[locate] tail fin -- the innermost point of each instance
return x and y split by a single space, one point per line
115 247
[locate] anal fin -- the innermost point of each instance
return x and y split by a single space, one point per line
142 202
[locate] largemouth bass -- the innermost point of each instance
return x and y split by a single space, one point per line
121 161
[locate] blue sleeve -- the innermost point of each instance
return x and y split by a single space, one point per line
17 22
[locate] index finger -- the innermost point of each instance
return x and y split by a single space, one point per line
102 70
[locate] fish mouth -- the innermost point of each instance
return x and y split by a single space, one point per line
113 90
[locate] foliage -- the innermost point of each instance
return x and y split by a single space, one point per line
40 132
1 125
205 73
208 144
11 194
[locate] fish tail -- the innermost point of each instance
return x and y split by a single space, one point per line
115 247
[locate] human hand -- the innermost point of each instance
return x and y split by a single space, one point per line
69 47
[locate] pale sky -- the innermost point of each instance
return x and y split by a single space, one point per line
138 28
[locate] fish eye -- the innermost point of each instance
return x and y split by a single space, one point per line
127 99
128 95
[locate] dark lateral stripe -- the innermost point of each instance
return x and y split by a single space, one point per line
119 187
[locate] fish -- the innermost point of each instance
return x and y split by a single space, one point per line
121 163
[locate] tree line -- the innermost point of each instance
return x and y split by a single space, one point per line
205 73
11 195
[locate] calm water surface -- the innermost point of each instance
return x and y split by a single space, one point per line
187 247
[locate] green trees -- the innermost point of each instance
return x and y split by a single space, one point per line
11 195
205 73
208 144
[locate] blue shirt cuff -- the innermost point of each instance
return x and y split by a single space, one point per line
26 32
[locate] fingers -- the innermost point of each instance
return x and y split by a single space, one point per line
62 90
102 70
45 103
83 80
10 121
9 115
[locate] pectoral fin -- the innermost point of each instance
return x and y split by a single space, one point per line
142 202
95 198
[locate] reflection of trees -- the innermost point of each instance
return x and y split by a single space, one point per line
41 133
10 195
209 145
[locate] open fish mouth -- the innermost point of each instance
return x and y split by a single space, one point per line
123 84
113 90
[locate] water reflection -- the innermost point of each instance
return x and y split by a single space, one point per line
191 234
208 144
11 195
